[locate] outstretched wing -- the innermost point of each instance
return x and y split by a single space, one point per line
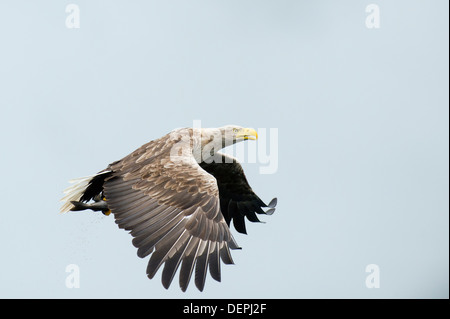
172 209
237 199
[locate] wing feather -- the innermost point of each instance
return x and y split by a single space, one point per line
146 242
201 267
188 263
171 207
176 238
172 264
225 255
214 262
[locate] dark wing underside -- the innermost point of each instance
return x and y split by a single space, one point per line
237 199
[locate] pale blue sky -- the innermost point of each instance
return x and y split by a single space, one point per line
362 119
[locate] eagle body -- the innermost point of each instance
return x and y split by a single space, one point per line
177 196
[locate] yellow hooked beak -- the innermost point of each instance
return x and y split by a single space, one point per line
247 134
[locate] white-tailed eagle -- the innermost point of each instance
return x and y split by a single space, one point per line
177 196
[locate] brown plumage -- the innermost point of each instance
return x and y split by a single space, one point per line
177 196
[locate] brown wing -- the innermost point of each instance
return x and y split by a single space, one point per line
172 209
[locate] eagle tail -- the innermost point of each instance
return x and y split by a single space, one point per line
83 190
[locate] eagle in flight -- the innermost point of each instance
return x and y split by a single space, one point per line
177 196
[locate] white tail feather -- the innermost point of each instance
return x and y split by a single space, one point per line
74 192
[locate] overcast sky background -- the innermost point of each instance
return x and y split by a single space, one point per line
363 150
